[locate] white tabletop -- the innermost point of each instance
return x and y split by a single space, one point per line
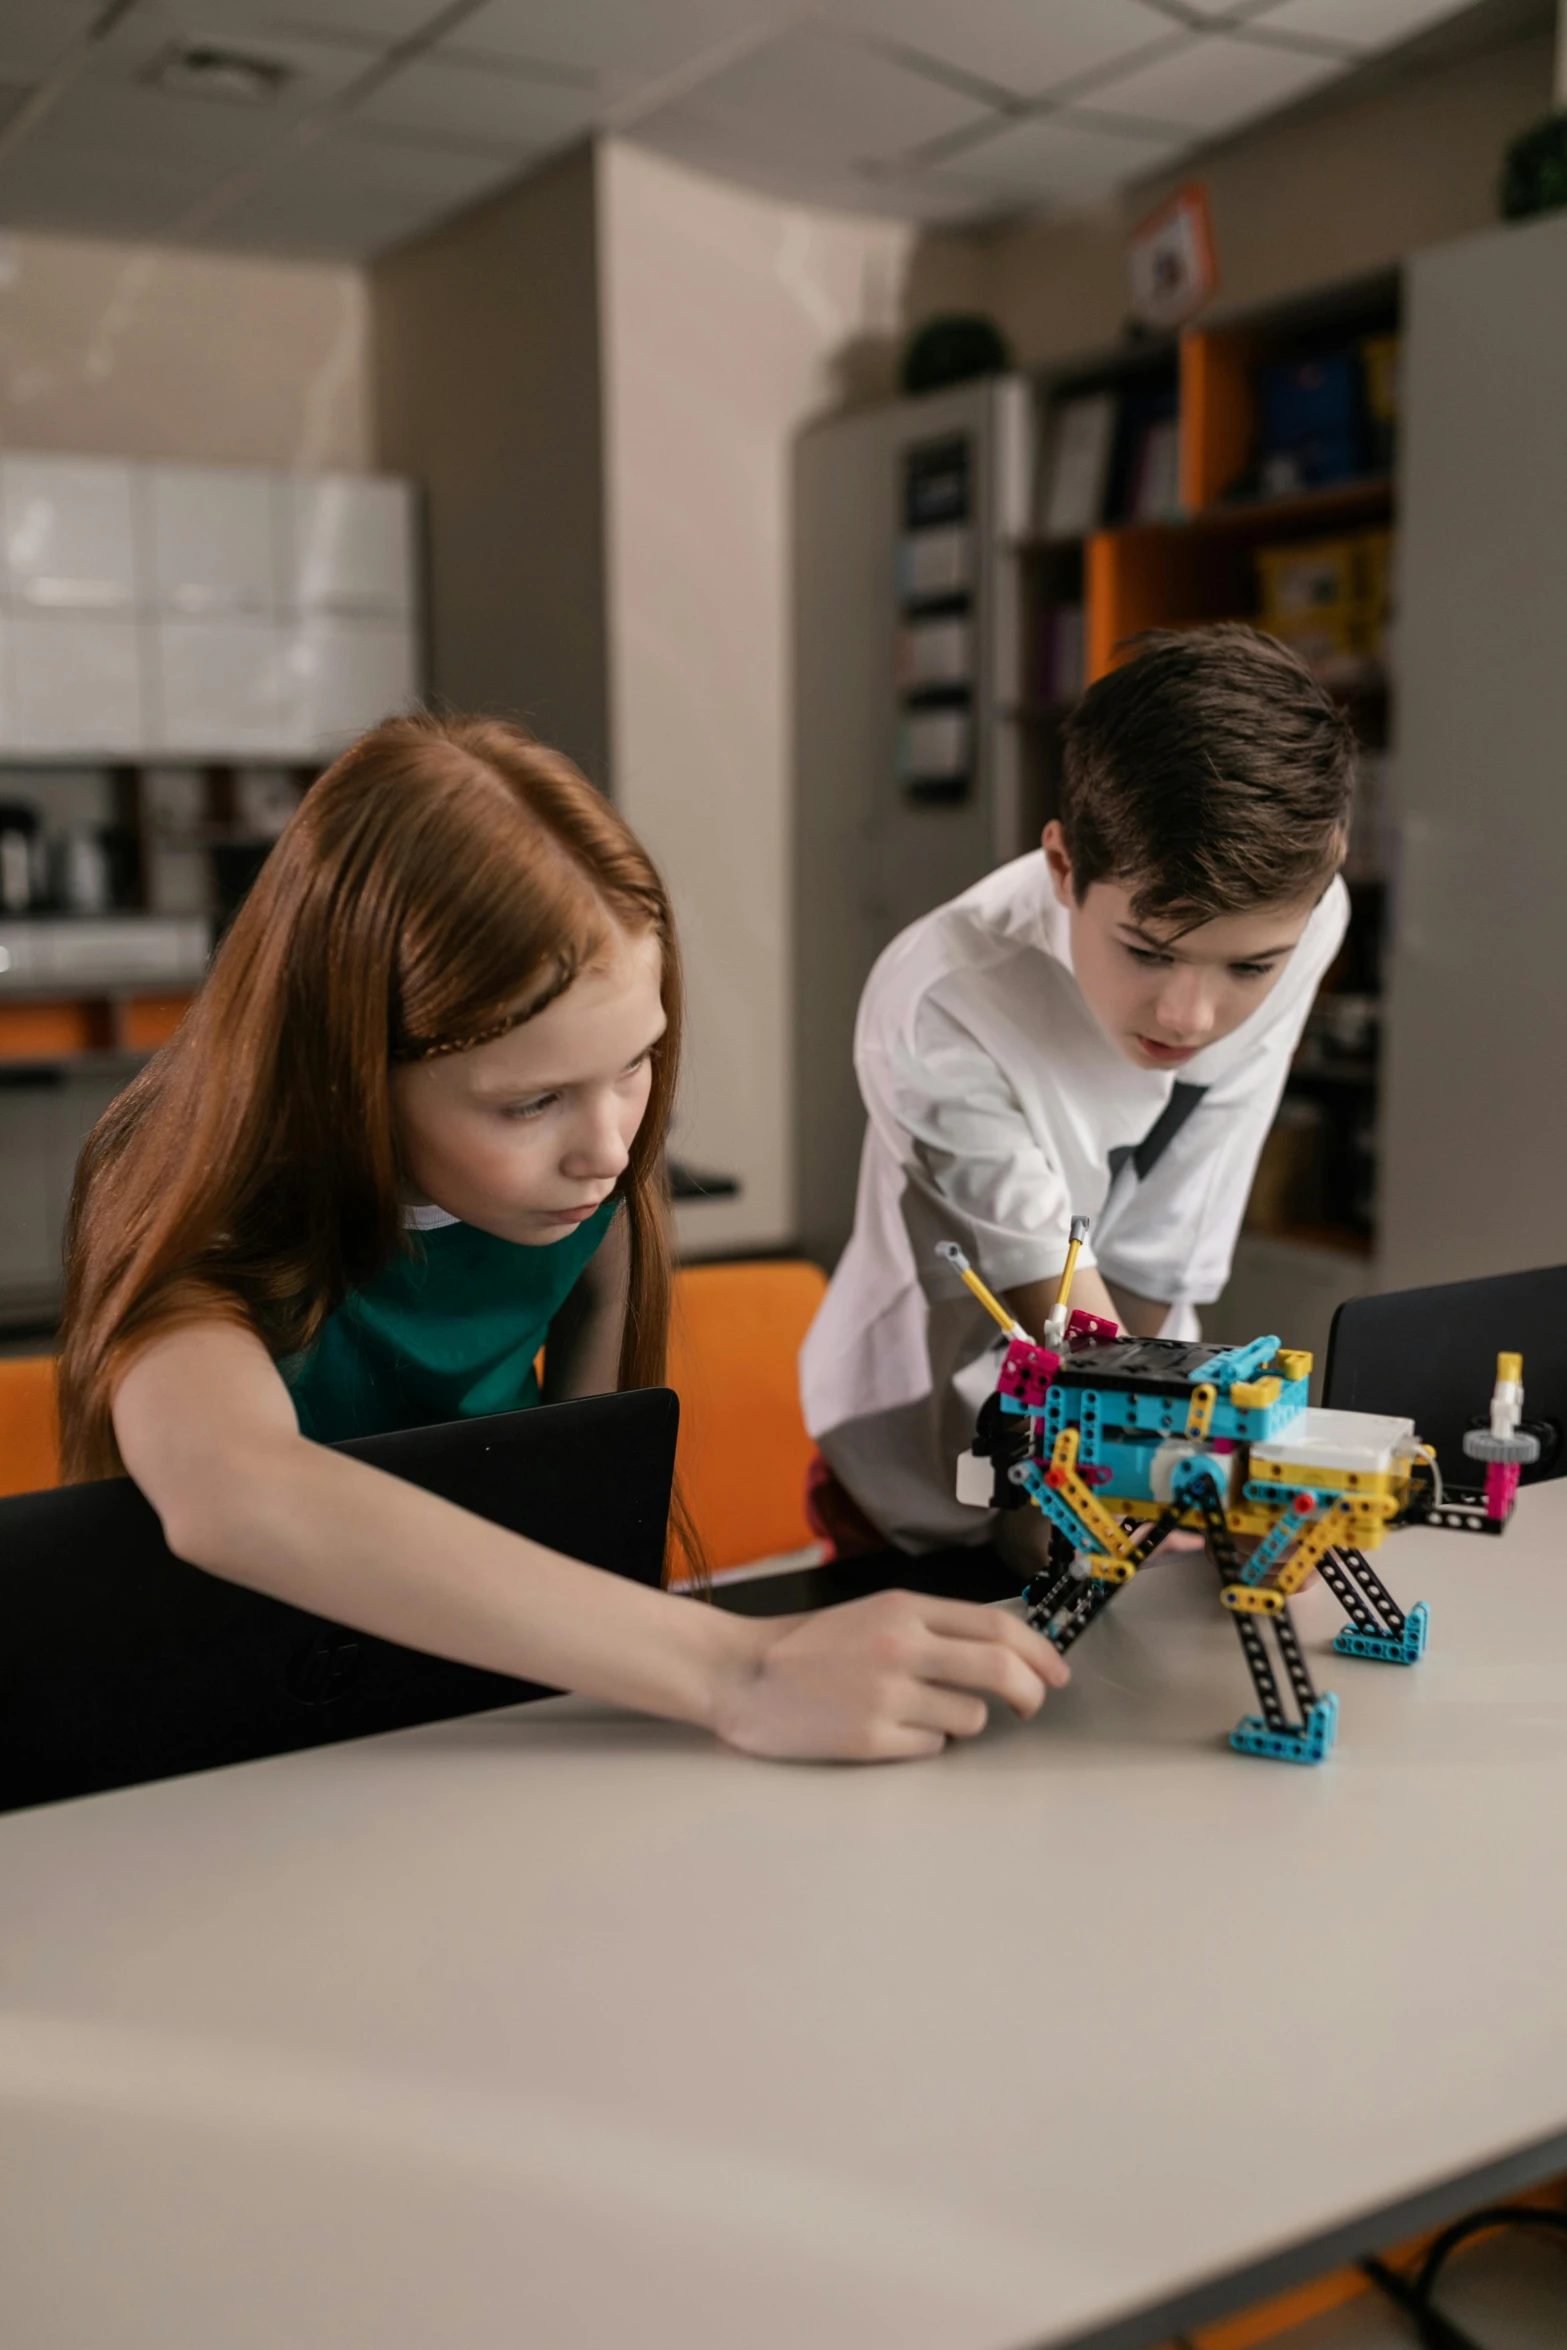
570 2024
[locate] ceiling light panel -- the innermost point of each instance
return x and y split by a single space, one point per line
150 36
478 106
1363 25
1053 160
1214 83
623 44
1014 45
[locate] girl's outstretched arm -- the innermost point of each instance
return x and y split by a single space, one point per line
206 1427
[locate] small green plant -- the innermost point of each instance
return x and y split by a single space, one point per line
1534 170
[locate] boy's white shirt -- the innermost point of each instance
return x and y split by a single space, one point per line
994 1101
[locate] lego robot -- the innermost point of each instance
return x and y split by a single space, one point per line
1119 1440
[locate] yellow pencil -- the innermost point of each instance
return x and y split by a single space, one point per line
953 1255
1074 1250
1056 1319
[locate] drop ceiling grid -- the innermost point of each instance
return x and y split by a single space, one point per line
408 109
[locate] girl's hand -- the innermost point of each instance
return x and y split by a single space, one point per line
881 1679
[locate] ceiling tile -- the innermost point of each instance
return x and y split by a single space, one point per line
809 101
489 106
773 171
1364 25
370 22
1214 83
623 44
101 186
35 34
1015 45
102 123
353 196
1053 159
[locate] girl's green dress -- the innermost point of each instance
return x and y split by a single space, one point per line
448 1331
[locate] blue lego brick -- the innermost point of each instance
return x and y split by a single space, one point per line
1313 1744
1130 1467
1252 1426
1390 1648
1236 1362
1165 1415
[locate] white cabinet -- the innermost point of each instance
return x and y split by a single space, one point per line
224 686
1475 1133
71 682
210 539
348 545
346 675
70 542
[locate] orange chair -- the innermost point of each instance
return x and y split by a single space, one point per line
29 1424
734 1344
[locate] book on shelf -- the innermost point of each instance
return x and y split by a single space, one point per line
934 563
1077 467
1059 676
934 745
935 653
1155 489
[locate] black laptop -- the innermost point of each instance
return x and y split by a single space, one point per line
119 1663
1429 1355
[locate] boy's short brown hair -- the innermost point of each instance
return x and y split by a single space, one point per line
1212 773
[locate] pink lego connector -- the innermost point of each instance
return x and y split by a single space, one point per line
1090 1329
1026 1373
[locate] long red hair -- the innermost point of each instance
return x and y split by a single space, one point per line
447 877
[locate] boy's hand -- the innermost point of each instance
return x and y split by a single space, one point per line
882 1679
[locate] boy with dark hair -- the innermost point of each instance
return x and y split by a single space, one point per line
1102 1028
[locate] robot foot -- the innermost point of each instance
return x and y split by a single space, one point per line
1389 1648
1312 1743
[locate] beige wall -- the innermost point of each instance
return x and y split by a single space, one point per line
144 351
1299 204
729 318
486 336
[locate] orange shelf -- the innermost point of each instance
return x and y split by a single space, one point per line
1159 575
34 1032
148 1021
1217 412
1178 574
60 1030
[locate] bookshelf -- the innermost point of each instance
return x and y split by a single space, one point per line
1252 516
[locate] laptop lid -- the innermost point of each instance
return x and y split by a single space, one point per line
120 1663
1429 1355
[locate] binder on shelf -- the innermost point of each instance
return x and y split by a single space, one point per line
935 563
935 653
935 746
1078 466
1061 672
1155 494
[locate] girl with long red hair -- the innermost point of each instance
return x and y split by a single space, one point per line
411 1129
